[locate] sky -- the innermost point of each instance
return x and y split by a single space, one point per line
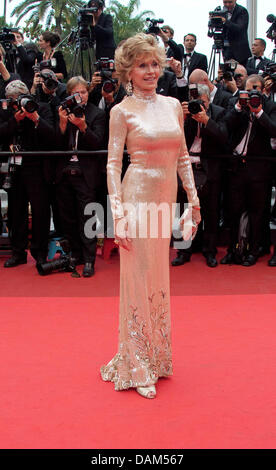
192 17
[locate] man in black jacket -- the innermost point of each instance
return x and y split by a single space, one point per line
27 131
102 30
78 177
206 136
235 26
191 59
249 172
258 62
218 96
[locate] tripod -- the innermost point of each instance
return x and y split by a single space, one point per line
84 58
215 59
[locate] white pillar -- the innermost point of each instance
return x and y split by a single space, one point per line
252 28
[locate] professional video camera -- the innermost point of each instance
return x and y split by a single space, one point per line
63 263
215 27
106 66
7 38
228 69
253 97
72 104
271 32
23 101
152 26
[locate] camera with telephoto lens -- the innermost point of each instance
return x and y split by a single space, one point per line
23 101
152 26
72 104
252 98
7 38
45 64
106 66
228 70
64 263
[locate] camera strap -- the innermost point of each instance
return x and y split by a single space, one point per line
74 158
15 159
241 149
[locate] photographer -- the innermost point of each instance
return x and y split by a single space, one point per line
102 30
47 43
236 83
5 76
24 126
47 89
253 123
166 33
25 57
235 24
206 136
218 96
191 59
81 126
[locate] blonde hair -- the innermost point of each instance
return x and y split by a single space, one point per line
134 48
74 81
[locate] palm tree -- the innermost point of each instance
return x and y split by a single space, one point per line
48 12
124 23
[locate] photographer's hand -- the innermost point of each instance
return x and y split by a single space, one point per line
96 80
3 70
37 80
63 119
20 115
255 110
32 116
202 116
185 110
78 121
268 85
175 65
231 85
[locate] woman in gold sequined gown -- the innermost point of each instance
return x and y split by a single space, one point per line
151 125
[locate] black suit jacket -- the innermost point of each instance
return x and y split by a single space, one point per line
214 139
174 50
91 139
235 30
198 61
250 65
166 84
222 98
31 138
103 34
259 146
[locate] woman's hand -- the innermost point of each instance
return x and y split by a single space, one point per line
121 233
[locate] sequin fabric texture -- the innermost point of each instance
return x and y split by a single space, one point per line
152 128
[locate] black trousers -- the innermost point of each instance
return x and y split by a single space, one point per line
29 185
73 195
207 234
247 193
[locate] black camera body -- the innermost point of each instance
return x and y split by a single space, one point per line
271 32
48 80
152 26
253 98
72 104
23 101
106 66
270 71
64 263
194 106
7 38
228 70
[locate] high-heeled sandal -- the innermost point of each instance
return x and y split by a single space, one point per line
147 392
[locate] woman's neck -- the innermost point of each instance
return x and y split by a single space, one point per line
146 95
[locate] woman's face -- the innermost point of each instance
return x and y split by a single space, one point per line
145 73
81 89
43 44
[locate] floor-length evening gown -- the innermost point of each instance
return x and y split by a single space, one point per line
152 128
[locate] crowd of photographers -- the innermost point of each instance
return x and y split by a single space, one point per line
229 124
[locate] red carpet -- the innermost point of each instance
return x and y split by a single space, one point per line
57 331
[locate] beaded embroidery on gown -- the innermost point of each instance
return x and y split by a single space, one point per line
152 128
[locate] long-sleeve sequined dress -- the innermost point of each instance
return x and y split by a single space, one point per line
152 128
